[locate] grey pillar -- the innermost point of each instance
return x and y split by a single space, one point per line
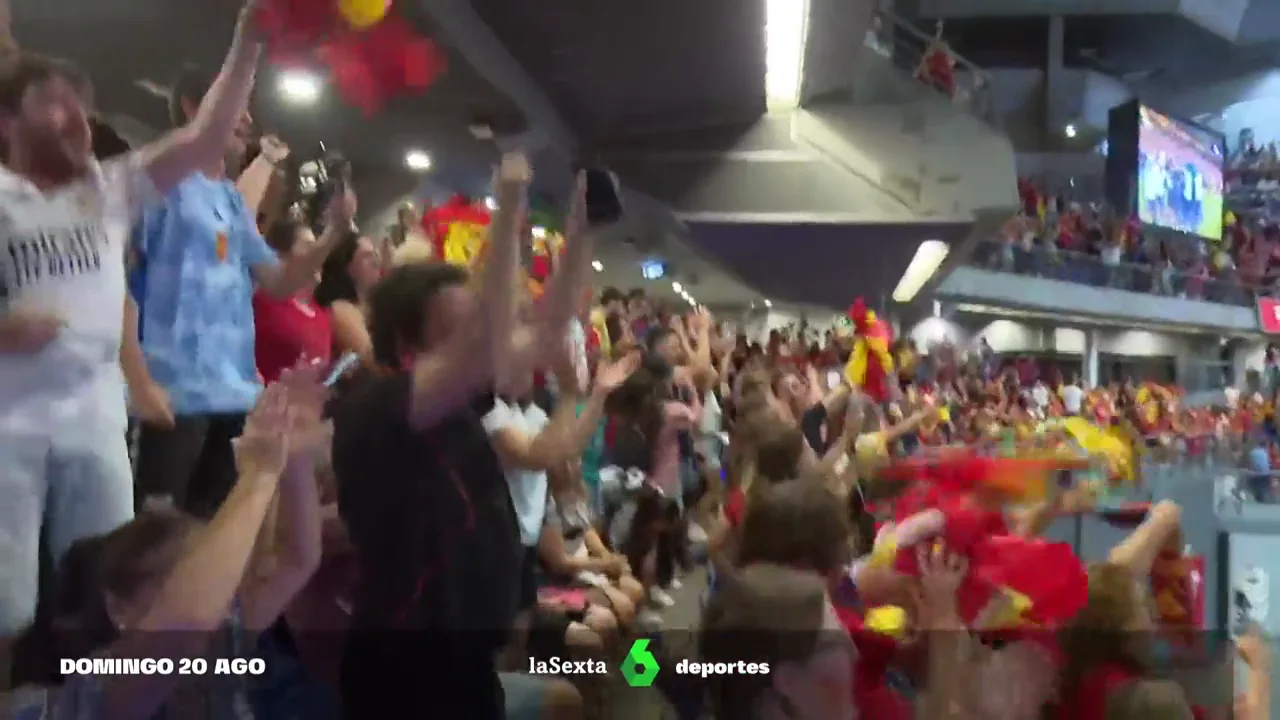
1056 115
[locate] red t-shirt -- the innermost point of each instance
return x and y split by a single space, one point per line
872 696
286 331
735 506
1097 685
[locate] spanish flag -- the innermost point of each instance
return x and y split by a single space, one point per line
459 229
870 365
1043 583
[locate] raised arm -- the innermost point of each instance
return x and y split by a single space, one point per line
290 557
262 178
450 375
195 598
8 44
201 143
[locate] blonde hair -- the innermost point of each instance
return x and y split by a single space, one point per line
761 613
413 250
1149 700
1100 634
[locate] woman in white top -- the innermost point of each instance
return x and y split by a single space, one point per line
572 553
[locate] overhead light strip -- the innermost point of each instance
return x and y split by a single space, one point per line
785 27
924 264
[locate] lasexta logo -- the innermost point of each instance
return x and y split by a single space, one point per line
640 667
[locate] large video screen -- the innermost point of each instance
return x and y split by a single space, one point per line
1179 176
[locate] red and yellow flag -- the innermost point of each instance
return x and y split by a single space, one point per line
870 365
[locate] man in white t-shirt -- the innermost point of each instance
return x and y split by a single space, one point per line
1072 396
528 486
64 226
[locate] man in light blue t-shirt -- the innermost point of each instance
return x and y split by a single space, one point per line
197 259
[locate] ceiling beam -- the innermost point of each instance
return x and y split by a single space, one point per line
473 39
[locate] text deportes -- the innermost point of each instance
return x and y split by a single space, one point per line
162 666
684 667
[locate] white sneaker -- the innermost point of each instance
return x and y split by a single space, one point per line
697 535
675 584
659 597
648 620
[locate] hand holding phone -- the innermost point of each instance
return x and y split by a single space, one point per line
604 197
348 361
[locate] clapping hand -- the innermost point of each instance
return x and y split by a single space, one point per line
941 573
611 375
341 210
538 344
262 450
310 435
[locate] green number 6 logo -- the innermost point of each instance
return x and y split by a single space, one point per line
639 667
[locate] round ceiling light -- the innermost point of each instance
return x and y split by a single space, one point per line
299 87
417 161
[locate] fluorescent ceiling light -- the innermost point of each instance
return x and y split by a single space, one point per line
539 231
597 266
784 39
690 300
491 204
927 260
299 87
417 161
768 303
677 287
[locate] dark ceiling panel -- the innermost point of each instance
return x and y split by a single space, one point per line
617 67
149 40
994 41
840 262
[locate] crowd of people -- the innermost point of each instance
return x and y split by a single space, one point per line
1056 237
409 486
1087 244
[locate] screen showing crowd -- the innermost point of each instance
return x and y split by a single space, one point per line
1179 177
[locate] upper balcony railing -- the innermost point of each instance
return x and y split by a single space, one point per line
1048 261
1253 186
933 63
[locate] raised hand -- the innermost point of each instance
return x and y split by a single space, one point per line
262 450
539 343
610 375
341 211
310 435
273 149
699 320
941 573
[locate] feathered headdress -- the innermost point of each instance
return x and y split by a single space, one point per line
1044 582
371 53
870 365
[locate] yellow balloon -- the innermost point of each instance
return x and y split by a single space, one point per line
363 14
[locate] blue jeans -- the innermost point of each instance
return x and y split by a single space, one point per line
524 695
76 487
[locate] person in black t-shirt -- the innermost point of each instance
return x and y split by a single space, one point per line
420 488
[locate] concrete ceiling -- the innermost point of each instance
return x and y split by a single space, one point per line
573 80
125 45
1165 57
822 265
616 68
